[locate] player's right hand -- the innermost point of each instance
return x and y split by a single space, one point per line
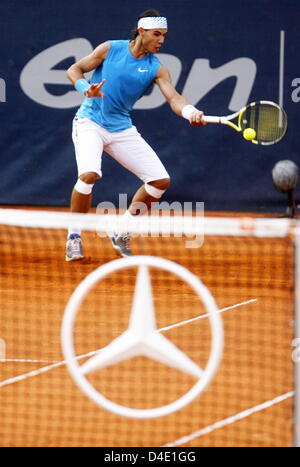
95 90
197 118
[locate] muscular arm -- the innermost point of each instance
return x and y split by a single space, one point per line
176 101
89 63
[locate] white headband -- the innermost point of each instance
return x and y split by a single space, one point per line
153 22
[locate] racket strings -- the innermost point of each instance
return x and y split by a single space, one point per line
268 121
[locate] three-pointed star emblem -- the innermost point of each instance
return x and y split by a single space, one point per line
142 337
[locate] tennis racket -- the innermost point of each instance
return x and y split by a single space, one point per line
267 120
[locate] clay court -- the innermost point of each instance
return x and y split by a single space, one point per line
40 405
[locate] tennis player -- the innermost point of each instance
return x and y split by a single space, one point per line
123 72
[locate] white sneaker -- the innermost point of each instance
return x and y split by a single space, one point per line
121 243
74 248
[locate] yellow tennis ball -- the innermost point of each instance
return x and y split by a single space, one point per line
249 134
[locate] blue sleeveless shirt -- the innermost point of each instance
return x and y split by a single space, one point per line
127 80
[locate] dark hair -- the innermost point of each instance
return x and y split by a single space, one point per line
145 14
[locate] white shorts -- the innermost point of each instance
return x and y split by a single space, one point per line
127 147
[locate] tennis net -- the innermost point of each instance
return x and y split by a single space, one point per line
248 266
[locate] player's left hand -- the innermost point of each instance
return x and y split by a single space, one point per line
196 118
95 90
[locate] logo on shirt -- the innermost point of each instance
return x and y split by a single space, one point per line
141 70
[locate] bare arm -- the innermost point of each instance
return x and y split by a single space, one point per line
89 63
176 101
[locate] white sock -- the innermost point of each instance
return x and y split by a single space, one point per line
126 216
73 231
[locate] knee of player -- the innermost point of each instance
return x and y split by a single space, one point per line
162 184
157 188
85 183
89 177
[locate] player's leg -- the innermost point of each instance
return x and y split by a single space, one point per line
88 149
140 205
132 151
147 194
81 198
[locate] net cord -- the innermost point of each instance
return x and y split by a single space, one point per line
187 224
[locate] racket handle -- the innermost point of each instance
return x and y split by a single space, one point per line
210 119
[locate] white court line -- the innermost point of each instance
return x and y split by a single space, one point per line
22 360
229 420
59 364
206 315
41 370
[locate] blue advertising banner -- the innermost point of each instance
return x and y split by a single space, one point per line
221 55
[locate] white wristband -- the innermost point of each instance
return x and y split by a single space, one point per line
187 111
